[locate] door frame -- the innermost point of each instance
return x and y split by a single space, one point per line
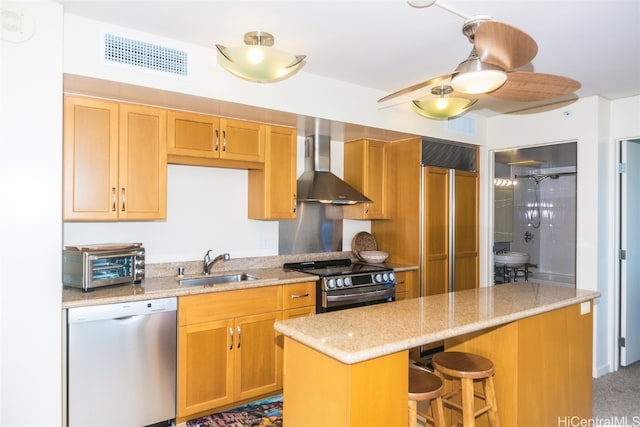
617 288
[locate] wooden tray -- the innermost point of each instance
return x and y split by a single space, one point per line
363 241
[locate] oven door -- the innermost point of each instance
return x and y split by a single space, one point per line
356 297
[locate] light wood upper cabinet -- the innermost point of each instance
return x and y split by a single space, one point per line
114 161
241 140
202 136
272 190
191 134
365 169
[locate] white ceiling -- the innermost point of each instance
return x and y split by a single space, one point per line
388 44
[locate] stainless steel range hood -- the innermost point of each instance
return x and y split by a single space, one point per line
317 183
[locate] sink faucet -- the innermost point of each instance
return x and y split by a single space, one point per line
207 263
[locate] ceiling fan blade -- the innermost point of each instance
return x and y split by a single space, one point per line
504 45
416 86
524 86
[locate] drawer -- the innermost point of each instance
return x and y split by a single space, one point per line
194 309
299 295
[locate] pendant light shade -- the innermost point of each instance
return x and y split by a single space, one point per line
474 76
442 107
257 61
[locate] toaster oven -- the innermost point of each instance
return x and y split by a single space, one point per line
92 266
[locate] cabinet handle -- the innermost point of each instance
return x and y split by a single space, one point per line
300 296
224 140
123 199
113 199
239 337
295 205
366 209
217 142
231 338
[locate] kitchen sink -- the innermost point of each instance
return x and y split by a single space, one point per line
512 259
213 280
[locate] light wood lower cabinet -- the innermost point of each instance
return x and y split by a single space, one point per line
298 300
227 348
406 285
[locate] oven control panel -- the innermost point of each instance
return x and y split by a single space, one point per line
358 280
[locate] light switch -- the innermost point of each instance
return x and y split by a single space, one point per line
585 307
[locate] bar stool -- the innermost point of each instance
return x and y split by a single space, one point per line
463 369
425 386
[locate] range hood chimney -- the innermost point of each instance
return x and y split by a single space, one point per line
317 183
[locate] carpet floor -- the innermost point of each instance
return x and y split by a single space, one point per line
265 413
616 396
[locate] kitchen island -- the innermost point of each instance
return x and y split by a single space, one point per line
349 368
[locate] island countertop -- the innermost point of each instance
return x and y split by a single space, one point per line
364 333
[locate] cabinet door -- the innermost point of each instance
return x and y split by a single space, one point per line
406 285
142 191
435 263
272 190
258 358
205 366
194 135
365 169
240 140
90 159
466 264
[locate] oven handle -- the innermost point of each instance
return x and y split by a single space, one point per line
363 296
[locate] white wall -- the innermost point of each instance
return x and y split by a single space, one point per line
207 207
30 224
624 124
595 124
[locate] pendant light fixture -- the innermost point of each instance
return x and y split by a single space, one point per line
257 61
442 107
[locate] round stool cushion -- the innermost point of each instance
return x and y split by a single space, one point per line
463 365
423 385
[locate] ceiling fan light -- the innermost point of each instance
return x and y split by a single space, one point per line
442 108
257 61
475 77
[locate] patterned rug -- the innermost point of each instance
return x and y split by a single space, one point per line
266 412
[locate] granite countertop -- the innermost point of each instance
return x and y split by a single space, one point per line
165 285
162 287
363 333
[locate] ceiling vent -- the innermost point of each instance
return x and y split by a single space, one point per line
145 55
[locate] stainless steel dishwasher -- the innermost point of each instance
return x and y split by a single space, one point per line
122 364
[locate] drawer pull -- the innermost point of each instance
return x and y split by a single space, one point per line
300 296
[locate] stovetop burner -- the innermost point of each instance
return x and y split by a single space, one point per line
333 267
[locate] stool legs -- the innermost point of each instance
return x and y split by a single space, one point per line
490 393
437 412
464 370
413 413
468 404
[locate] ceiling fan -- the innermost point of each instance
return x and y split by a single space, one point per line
499 49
